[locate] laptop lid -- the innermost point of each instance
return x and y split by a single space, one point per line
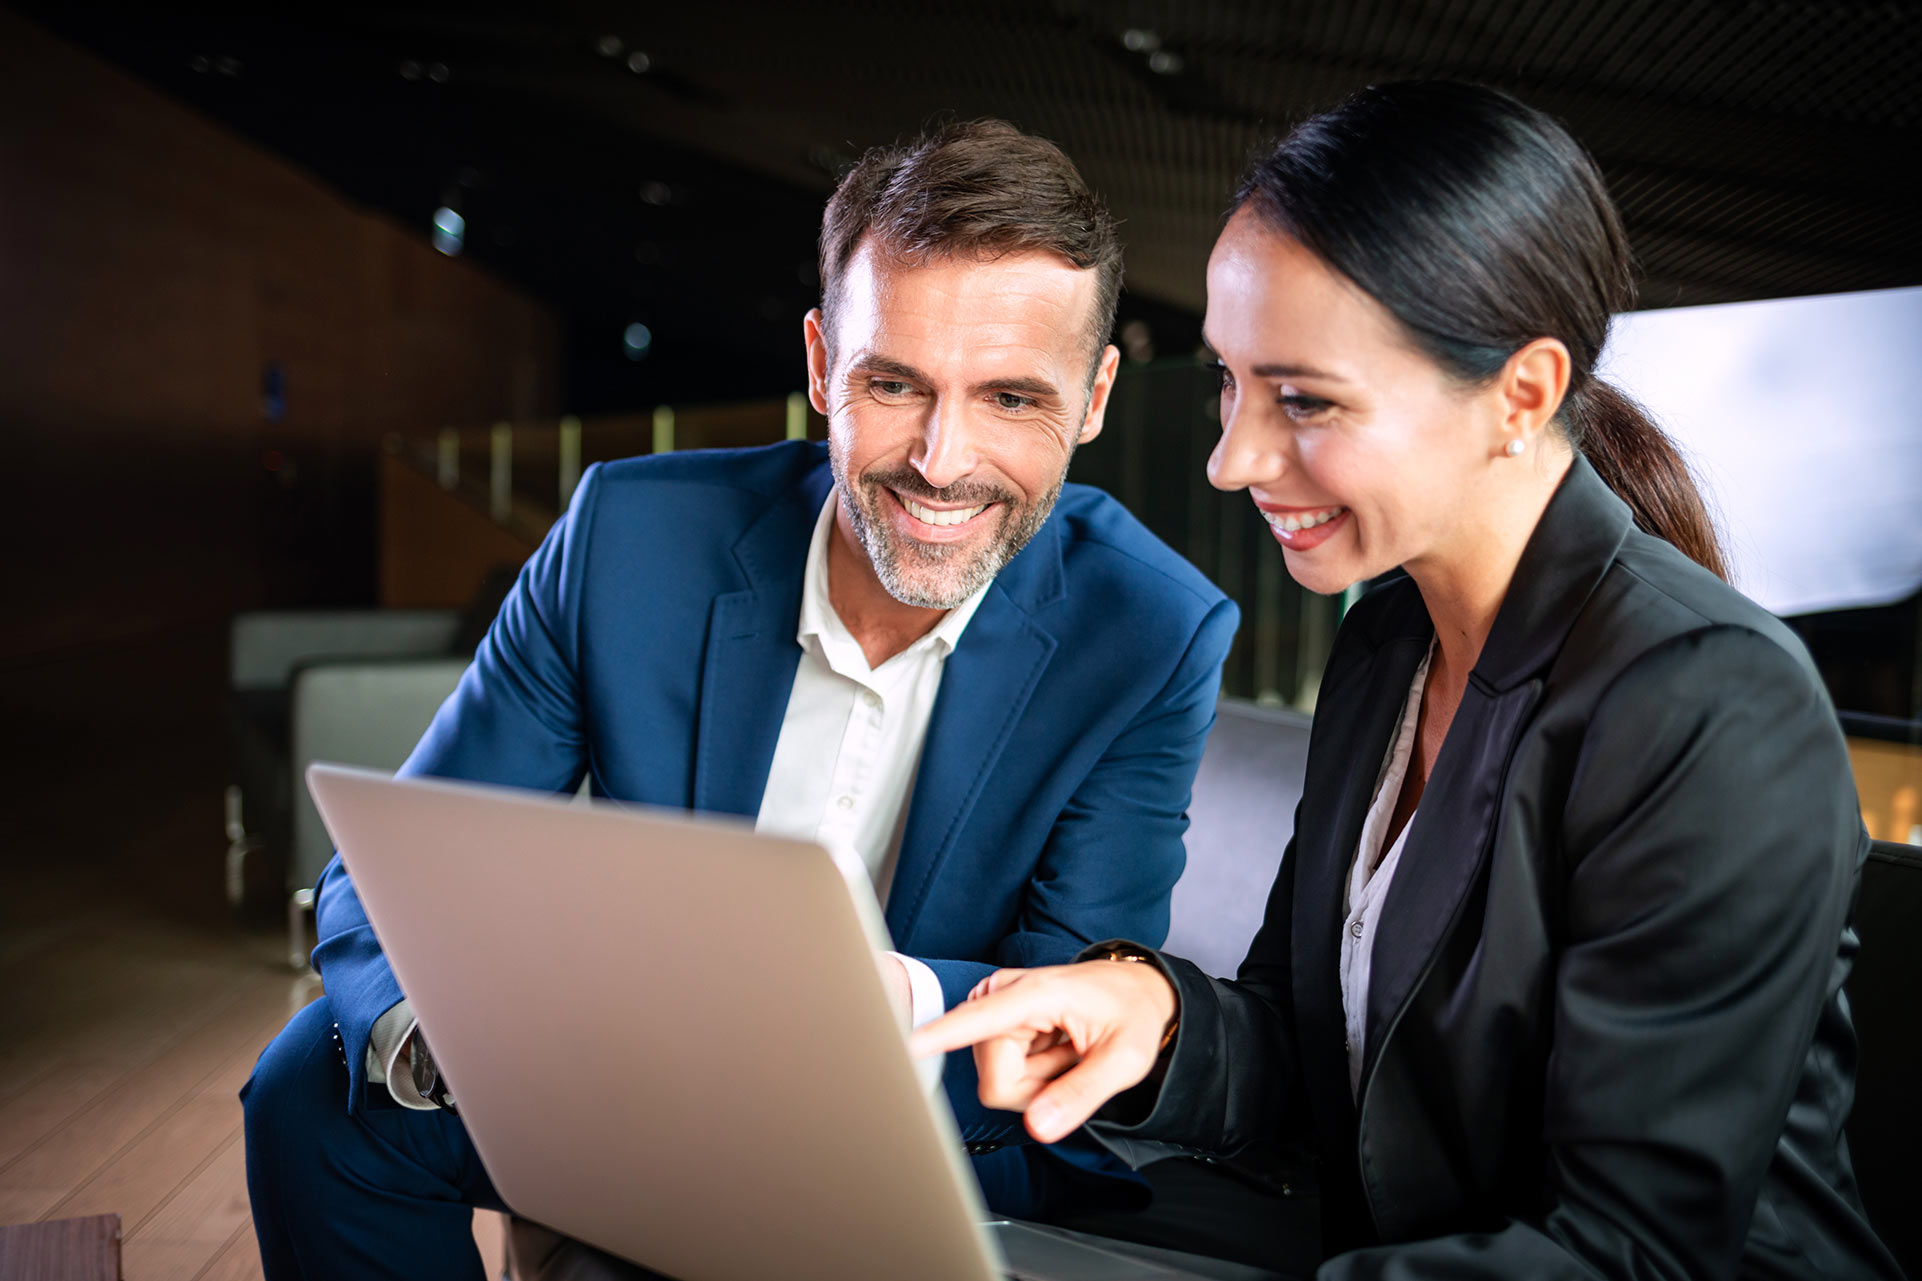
665 1033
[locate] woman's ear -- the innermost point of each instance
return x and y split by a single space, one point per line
1532 385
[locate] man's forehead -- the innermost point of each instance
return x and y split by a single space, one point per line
1045 274
1031 301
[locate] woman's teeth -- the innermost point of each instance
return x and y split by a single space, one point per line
1294 521
927 515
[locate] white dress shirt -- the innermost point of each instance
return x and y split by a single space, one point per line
842 774
1370 875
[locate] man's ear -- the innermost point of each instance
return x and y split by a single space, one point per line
815 334
1098 394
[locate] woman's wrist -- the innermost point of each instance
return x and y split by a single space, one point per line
1163 993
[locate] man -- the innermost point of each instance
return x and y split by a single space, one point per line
921 646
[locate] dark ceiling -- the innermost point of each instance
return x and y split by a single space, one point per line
667 163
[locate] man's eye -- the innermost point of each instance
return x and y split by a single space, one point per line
888 387
1011 402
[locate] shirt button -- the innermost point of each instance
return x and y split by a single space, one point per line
871 698
1354 927
1347 1047
845 802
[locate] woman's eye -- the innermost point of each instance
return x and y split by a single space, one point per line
1226 379
1304 408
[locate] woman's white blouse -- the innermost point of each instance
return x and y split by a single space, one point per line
1371 874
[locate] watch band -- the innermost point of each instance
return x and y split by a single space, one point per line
426 1073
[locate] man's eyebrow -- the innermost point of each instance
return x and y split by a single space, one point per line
887 367
1039 388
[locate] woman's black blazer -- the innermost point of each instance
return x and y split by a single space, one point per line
1606 1034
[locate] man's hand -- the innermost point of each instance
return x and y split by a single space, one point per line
894 977
1057 1043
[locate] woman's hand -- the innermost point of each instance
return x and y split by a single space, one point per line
1058 1043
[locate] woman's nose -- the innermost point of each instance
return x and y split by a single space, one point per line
1248 453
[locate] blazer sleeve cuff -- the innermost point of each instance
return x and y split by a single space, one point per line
1149 1122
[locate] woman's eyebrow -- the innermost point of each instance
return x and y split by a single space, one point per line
1278 369
1296 371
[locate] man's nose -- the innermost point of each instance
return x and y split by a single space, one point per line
946 451
1249 452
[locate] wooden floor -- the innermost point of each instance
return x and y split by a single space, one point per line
133 1005
130 1039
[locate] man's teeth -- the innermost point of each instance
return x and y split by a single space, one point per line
928 515
1293 521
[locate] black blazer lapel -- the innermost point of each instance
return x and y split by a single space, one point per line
747 672
1571 548
1358 730
1446 845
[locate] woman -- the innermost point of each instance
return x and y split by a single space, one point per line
1550 978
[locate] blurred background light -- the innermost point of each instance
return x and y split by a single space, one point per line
636 340
450 231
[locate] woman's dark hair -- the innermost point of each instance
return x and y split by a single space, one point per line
1481 225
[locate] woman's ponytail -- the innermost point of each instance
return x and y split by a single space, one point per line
1637 460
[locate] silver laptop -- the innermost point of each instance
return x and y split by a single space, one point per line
667 1036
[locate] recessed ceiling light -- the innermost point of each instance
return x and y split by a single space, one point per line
638 62
1163 63
609 47
1140 40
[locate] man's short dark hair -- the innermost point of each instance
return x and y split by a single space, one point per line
981 188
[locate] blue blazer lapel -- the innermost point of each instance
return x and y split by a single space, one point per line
986 687
747 672
746 677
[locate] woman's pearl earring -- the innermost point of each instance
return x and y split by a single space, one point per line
1514 448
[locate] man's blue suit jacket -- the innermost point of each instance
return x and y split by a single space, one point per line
649 644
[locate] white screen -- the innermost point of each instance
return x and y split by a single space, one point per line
1802 418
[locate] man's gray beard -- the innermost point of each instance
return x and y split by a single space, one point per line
887 557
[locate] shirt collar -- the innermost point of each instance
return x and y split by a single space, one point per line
818 618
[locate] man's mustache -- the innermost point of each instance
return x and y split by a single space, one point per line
910 483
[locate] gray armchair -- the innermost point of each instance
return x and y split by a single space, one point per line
353 711
308 683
